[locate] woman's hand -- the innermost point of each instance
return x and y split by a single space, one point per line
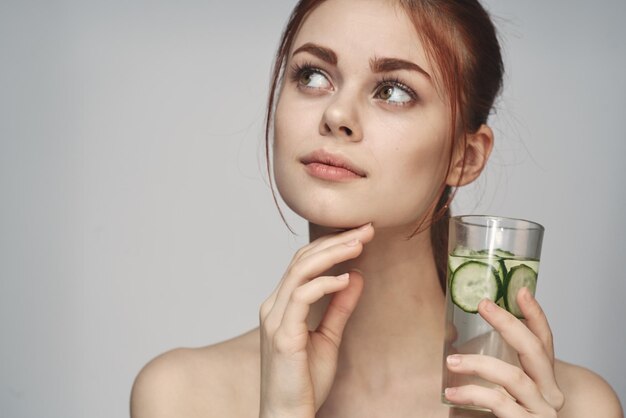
531 391
298 366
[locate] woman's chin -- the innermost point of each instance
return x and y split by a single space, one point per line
332 222
329 229
328 215
336 225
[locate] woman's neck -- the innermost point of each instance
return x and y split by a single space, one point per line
396 330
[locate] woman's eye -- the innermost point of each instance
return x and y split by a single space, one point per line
313 79
395 94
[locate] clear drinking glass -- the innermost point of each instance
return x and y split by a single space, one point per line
488 257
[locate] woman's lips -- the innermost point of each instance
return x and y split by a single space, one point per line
330 172
327 166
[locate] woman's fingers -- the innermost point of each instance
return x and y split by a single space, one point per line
313 266
497 401
316 263
363 233
290 280
530 391
298 273
536 320
340 308
517 383
293 326
537 323
533 355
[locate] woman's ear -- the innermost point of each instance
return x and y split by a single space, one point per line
469 161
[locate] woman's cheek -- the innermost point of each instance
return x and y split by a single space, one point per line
412 179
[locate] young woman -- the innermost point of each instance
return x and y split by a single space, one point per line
381 110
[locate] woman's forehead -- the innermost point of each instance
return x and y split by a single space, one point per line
362 30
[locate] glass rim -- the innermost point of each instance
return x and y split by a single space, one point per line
499 221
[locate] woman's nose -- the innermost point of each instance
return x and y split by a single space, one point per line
340 119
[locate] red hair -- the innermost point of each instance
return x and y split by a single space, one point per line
460 41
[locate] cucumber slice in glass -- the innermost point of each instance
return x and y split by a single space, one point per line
472 282
509 263
455 261
518 277
500 268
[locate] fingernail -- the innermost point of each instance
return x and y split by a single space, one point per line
344 277
353 243
454 360
364 227
450 391
489 305
526 295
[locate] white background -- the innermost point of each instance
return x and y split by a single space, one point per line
135 215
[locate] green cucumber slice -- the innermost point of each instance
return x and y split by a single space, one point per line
519 276
500 268
472 282
455 261
509 263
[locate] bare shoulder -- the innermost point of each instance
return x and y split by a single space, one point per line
586 393
220 380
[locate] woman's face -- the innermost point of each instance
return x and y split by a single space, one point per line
359 92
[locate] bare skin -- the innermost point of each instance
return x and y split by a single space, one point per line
222 380
375 376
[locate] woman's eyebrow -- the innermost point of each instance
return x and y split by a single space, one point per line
382 65
377 65
320 52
